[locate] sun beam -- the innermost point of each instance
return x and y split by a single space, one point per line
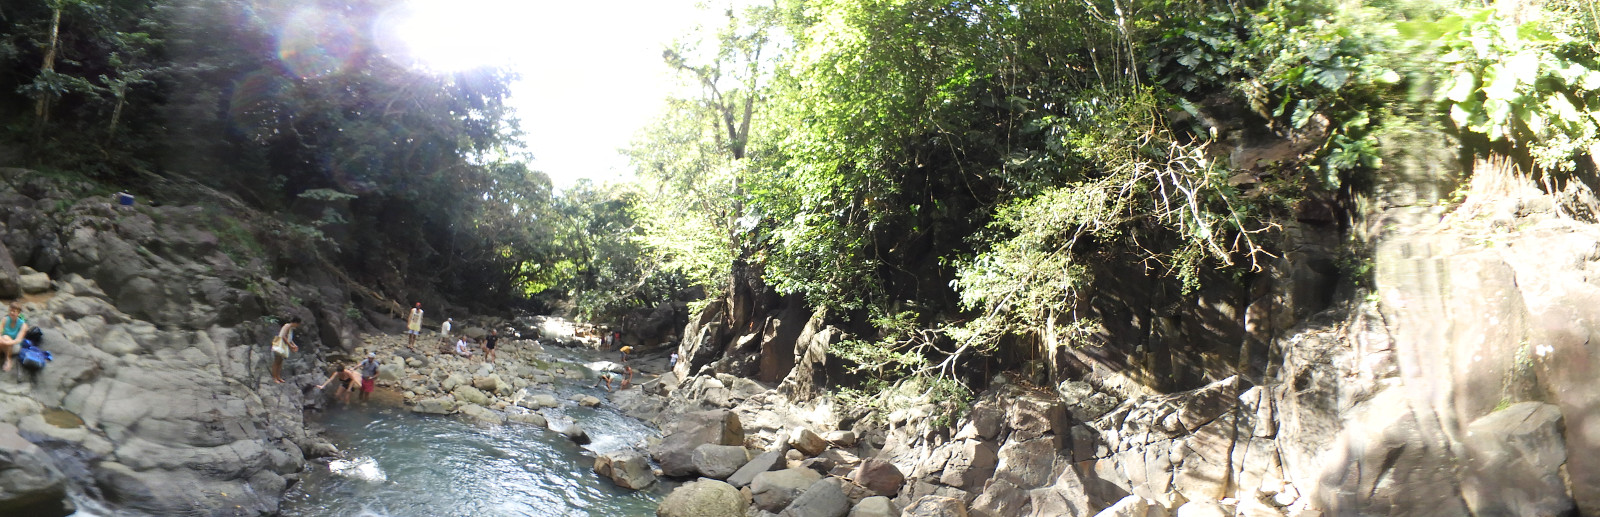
455 35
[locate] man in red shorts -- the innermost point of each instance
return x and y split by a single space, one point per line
369 375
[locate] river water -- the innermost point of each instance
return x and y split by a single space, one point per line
398 463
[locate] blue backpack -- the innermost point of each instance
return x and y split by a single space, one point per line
32 357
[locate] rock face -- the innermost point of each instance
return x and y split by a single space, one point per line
703 498
822 499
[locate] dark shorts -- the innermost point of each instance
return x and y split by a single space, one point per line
488 345
367 385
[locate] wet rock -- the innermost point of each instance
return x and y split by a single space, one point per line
30 484
533 419
587 400
627 468
875 506
703 498
481 414
773 491
807 442
936 506
719 461
569 429
822 499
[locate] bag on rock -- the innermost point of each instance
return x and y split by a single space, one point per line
34 335
33 359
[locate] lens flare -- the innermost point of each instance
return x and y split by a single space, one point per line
316 43
259 100
457 35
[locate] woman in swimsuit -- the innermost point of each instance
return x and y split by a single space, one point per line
349 382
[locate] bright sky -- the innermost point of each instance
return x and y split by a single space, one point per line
592 73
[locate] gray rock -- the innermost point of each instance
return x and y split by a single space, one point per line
773 491
1000 498
30 484
470 395
971 463
534 419
875 506
588 401
822 499
34 283
628 469
763 462
719 461
435 406
703 498
10 278
568 428
1515 457
692 430
481 414
1027 464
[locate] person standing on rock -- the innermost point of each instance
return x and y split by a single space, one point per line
348 382
281 346
15 328
625 351
414 325
369 375
444 330
488 344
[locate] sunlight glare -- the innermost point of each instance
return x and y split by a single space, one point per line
456 35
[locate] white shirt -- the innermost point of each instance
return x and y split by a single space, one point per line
461 347
444 329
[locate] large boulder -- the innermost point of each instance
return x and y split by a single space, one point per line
719 461
879 476
822 499
676 450
773 491
763 462
971 463
628 469
34 282
30 484
10 279
703 498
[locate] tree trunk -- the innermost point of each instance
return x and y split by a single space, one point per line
41 110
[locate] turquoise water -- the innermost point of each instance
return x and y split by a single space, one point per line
404 464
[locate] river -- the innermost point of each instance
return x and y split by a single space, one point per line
399 463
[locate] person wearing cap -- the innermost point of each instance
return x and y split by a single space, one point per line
414 325
369 375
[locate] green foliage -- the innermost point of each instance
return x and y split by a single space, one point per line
1534 84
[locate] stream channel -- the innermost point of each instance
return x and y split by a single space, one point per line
399 463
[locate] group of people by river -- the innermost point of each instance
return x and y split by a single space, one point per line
362 378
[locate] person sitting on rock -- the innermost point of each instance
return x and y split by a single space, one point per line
15 328
369 375
414 325
462 348
282 345
348 382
